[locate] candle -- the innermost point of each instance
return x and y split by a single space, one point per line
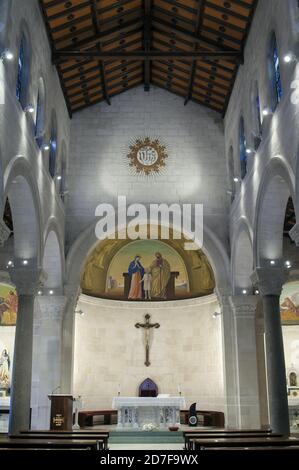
118 389
179 389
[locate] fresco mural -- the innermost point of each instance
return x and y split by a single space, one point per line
289 303
146 270
8 305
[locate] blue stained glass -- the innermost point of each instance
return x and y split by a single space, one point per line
20 77
52 156
277 77
243 154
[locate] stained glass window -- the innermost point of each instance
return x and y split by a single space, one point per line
243 154
277 77
20 74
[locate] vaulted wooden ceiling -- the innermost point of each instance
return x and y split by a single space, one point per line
190 47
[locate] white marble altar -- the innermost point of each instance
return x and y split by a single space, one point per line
137 412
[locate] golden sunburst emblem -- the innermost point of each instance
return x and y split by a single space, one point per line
147 156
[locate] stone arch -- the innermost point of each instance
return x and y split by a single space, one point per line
242 257
22 192
276 186
53 257
85 243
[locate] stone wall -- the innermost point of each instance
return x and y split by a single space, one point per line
99 170
186 351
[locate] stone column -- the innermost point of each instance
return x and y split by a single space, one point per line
262 371
26 281
244 310
67 341
48 315
270 281
229 359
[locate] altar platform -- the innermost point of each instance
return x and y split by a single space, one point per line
156 436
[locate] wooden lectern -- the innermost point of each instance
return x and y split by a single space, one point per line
61 412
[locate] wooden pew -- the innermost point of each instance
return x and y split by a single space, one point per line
190 434
244 442
100 436
49 444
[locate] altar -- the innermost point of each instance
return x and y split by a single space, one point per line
137 412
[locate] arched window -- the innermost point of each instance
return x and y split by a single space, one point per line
53 149
242 144
275 72
22 72
40 113
21 67
256 115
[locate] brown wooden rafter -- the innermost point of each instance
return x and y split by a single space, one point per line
190 47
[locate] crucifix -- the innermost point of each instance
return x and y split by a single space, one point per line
147 328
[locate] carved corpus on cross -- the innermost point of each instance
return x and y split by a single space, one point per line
147 328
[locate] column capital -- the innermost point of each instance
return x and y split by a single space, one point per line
269 280
26 280
244 306
294 234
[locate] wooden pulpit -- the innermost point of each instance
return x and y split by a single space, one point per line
61 412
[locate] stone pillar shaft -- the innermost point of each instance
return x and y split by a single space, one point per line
276 373
26 281
22 366
270 281
244 311
67 340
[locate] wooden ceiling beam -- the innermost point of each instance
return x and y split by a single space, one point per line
201 5
182 6
101 64
113 5
93 40
147 4
227 11
66 11
195 39
144 55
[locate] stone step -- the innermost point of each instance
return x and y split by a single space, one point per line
145 437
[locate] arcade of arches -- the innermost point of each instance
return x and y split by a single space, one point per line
224 316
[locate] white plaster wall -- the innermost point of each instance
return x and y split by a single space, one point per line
186 350
99 171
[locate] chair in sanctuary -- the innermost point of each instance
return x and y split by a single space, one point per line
148 388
